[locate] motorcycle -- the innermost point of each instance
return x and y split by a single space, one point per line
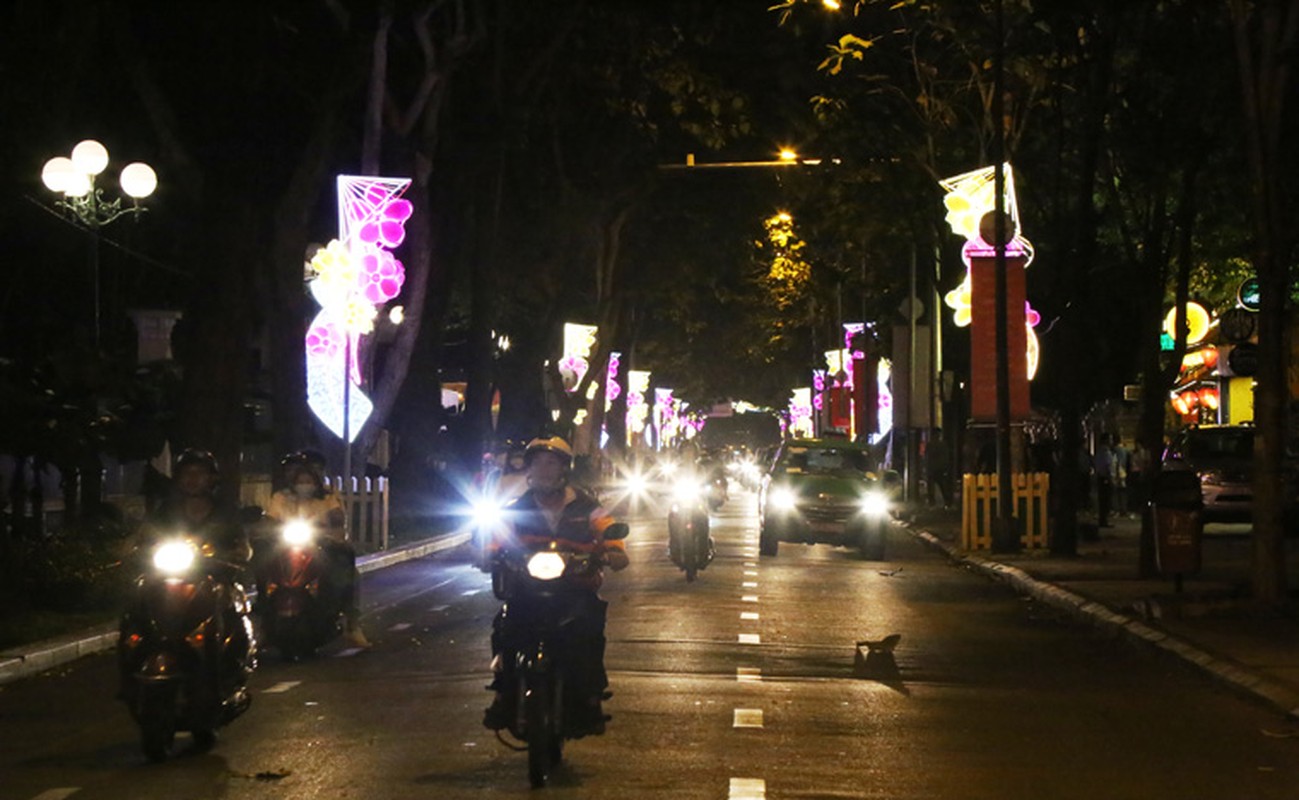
717 492
690 545
540 608
296 607
181 666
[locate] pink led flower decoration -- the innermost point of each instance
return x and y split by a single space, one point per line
324 340
1031 317
381 276
388 228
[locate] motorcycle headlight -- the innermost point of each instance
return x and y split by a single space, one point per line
782 499
668 468
875 503
174 557
297 532
486 513
546 566
685 490
636 484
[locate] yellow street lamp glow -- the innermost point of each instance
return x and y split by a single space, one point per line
90 157
58 173
138 180
787 154
784 216
833 5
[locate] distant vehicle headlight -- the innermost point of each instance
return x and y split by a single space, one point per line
782 499
875 503
546 565
174 557
636 484
297 532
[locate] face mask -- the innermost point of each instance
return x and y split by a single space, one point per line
304 489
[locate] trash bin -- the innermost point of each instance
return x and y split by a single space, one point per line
1177 511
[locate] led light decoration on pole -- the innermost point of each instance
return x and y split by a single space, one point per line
351 278
74 178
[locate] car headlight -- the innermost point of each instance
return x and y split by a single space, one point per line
874 503
174 557
782 499
546 565
297 532
636 484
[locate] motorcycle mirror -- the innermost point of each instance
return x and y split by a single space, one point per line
618 530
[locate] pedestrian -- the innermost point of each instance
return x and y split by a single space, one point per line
1103 468
1139 466
1122 459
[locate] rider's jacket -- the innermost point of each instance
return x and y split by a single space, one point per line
578 526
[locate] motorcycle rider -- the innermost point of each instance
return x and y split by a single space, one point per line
305 496
194 507
552 509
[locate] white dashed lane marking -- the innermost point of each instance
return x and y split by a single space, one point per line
400 626
750 638
281 687
747 789
751 616
748 674
349 652
749 585
750 573
57 794
748 718
749 598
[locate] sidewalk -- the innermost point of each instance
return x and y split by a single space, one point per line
21 662
1209 624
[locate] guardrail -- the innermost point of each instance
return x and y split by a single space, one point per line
1029 495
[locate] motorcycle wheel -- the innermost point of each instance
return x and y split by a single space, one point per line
157 733
543 741
690 557
872 541
768 544
204 739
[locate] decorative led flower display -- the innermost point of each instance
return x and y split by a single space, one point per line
800 412
351 278
578 341
638 381
970 198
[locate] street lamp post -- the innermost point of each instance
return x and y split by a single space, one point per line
74 178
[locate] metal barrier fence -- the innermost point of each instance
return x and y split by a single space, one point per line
366 500
979 498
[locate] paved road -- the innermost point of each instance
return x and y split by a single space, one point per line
742 685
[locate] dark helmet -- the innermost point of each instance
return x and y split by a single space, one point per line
550 444
193 455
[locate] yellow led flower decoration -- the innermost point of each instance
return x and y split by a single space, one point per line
358 315
335 267
959 301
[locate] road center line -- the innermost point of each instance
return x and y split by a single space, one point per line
281 687
747 789
57 794
748 718
750 638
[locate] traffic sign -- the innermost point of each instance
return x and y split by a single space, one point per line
1247 294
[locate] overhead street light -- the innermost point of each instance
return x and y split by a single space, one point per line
74 178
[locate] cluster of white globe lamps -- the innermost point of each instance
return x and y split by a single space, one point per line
75 176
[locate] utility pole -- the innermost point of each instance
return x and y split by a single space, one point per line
1005 538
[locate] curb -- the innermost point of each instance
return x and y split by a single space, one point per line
50 653
1278 695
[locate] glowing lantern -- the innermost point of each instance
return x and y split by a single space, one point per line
1208 398
1197 321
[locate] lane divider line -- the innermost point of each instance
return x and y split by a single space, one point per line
749 598
400 626
349 652
751 573
281 687
747 718
748 674
749 585
750 638
749 615
747 789
57 794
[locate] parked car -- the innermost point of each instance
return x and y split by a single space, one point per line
825 491
1223 457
